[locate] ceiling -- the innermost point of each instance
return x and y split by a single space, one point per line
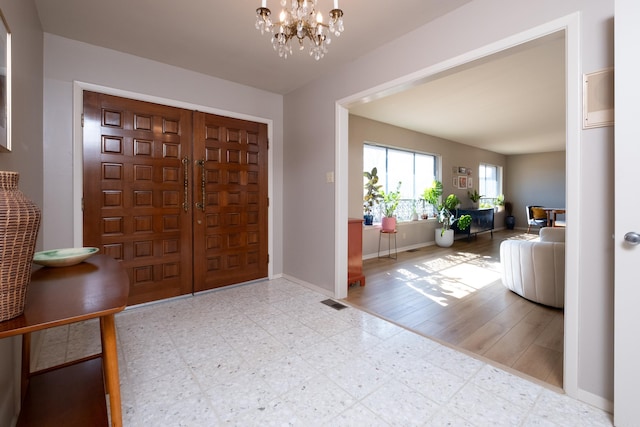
219 38
512 104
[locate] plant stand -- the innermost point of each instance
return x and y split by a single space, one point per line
395 243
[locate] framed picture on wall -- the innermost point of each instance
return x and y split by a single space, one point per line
469 182
462 170
455 182
462 182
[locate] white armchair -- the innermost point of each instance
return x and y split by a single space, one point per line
534 269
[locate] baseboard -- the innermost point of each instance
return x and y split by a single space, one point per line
385 252
594 400
308 285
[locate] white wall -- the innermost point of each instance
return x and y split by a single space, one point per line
311 150
67 61
26 157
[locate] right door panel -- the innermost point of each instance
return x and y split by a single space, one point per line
230 188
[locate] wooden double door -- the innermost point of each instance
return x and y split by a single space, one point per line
178 196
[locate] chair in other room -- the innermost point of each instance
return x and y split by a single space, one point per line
536 216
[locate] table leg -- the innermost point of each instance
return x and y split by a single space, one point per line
26 365
110 366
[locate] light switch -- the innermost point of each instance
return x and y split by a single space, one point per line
330 177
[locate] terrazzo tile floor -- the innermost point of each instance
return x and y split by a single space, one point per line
271 354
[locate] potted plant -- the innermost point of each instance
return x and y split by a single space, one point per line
414 211
372 195
432 194
475 198
446 217
390 203
509 219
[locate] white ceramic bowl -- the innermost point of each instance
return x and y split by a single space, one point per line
63 257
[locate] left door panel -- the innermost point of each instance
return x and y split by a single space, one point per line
137 201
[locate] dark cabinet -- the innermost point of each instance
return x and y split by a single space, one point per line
481 220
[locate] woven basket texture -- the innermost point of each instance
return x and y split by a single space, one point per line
19 225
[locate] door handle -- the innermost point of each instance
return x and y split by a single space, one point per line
632 238
185 203
200 205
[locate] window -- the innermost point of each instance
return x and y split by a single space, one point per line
490 181
415 170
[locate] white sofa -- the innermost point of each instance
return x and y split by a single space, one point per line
534 269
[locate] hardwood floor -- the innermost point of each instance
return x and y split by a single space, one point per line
455 295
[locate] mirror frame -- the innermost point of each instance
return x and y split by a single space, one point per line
5 85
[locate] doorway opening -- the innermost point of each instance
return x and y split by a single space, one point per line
570 26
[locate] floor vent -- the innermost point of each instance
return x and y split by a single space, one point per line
334 304
412 250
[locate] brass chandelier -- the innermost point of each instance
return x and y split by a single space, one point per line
299 19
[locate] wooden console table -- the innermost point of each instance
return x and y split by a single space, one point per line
72 394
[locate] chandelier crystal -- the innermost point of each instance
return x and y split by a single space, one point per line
299 20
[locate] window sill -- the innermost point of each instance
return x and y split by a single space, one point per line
377 225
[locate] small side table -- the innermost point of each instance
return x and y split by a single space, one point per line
72 394
389 233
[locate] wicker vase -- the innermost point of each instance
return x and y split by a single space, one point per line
19 224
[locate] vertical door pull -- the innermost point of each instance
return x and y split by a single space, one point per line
200 205
185 203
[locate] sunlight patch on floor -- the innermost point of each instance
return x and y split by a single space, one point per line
457 290
408 274
472 275
438 300
453 276
488 263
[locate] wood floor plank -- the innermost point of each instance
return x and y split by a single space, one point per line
553 335
515 343
455 295
484 337
460 330
540 362
515 312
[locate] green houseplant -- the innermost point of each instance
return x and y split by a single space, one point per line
390 201
446 217
445 213
372 194
432 194
414 210
475 197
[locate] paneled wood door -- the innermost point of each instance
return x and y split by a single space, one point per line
230 227
142 201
